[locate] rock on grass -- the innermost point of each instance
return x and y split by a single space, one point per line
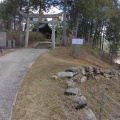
72 91
80 100
65 74
89 115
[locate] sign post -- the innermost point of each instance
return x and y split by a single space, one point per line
76 47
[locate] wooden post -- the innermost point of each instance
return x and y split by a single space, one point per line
53 34
79 50
74 51
27 32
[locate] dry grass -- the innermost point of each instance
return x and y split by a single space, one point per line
6 51
41 98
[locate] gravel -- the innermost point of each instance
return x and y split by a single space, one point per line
13 68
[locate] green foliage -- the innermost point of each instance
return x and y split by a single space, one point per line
36 36
85 18
59 31
94 51
113 34
42 5
87 45
89 19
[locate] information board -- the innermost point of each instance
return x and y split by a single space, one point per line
77 41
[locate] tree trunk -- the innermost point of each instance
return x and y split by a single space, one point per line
20 18
40 9
14 21
77 25
91 28
64 24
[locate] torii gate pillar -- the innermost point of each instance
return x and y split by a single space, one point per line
27 32
53 34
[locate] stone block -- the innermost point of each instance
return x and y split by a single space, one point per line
80 100
72 91
65 74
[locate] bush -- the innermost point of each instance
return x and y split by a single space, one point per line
87 45
36 36
14 35
94 51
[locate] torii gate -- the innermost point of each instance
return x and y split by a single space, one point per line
40 17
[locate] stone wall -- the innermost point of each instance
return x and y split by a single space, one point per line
80 75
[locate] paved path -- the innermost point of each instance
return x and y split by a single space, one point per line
13 68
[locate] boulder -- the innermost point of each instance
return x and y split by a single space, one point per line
80 100
72 91
119 74
115 78
99 77
91 76
102 71
83 72
96 70
78 77
114 72
90 69
87 69
65 74
89 115
70 83
83 79
73 69
107 71
107 76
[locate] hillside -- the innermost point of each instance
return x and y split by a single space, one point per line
41 98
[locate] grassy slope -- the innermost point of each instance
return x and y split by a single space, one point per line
41 98
38 97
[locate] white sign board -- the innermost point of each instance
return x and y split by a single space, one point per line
35 19
2 39
77 41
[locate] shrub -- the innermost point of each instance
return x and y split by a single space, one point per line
14 35
94 51
36 36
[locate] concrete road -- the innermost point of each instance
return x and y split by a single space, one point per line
13 68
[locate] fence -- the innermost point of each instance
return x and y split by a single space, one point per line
103 98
